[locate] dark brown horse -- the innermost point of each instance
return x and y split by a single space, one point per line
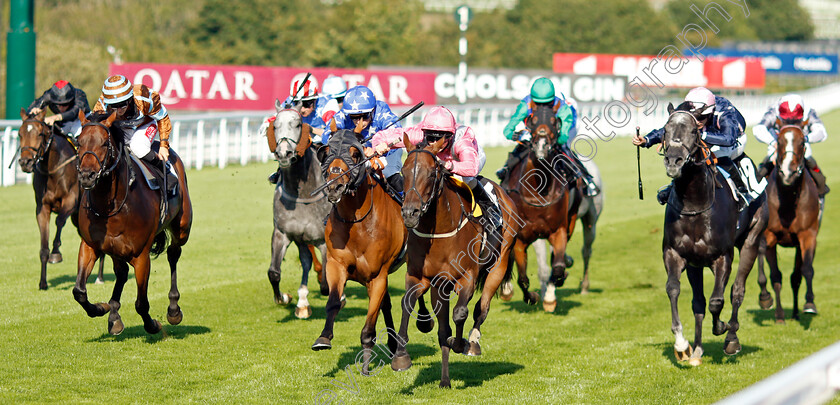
122 218
365 238
702 229
445 253
50 157
541 193
794 222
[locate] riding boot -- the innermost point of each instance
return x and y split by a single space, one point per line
663 194
818 176
514 157
592 189
730 167
396 182
492 214
765 167
273 178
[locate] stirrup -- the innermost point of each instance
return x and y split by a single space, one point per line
592 189
663 194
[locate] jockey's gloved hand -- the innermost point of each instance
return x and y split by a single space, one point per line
523 136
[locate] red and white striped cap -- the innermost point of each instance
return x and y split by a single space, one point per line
308 92
117 88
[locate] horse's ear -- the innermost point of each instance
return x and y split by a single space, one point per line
333 127
322 153
23 114
557 106
272 141
304 141
110 120
407 141
670 108
779 122
278 105
82 119
532 105
40 116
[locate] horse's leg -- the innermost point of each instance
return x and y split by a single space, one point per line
42 215
796 281
444 331
460 313
142 268
173 313
808 244
376 288
721 267
698 306
414 288
674 265
87 258
322 277
425 321
60 220
336 277
520 254
775 276
389 323
115 324
748 254
589 222
482 307
765 300
558 241
100 279
544 273
303 310
279 243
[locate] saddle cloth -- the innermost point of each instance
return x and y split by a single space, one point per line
476 210
150 178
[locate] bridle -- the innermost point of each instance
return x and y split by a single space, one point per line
291 142
437 185
781 155
102 172
43 146
691 155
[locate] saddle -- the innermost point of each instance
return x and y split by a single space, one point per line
154 176
475 209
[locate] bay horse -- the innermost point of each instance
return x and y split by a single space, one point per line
542 196
365 239
298 217
49 155
449 252
702 228
794 221
120 216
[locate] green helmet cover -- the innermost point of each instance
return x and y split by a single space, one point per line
542 91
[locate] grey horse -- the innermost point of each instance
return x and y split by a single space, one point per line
298 217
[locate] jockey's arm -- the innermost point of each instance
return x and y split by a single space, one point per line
38 104
80 103
726 135
567 117
464 160
653 138
765 131
815 130
517 117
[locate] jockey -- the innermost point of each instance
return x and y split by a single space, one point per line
722 127
461 154
307 96
790 110
330 101
366 115
135 102
65 101
542 92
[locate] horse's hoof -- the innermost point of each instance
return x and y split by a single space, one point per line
584 288
42 286
321 343
425 326
458 345
401 363
303 313
695 361
99 281
475 349
176 318
765 300
445 384
719 328
810 308
569 261
100 309
154 328
684 354
731 347
780 321
506 297
282 299
506 293
549 306
115 328
56 258
559 281
343 302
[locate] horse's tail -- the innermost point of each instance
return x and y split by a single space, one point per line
482 274
160 244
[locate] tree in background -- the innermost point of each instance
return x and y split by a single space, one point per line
769 20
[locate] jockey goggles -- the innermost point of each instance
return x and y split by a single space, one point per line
356 117
434 136
121 104
308 103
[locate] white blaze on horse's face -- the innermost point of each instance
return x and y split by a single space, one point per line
541 147
791 166
287 132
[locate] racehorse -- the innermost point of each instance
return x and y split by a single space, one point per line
702 228
794 222
47 154
449 253
297 216
541 193
365 239
120 215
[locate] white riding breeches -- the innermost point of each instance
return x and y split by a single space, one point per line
733 151
71 127
141 139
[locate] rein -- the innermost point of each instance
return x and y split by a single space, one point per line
707 160
347 221
552 190
103 172
90 208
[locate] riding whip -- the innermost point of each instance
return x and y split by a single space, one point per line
303 82
365 160
639 167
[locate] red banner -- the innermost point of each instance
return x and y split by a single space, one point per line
713 72
208 87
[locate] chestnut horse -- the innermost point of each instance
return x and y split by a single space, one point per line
445 253
542 197
702 228
47 154
794 222
121 217
365 239
298 217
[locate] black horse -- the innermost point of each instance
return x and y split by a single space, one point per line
702 227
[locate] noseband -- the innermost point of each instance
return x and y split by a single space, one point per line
692 155
102 172
43 147
292 143
437 186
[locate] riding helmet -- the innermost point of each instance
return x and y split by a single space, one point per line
62 92
542 91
